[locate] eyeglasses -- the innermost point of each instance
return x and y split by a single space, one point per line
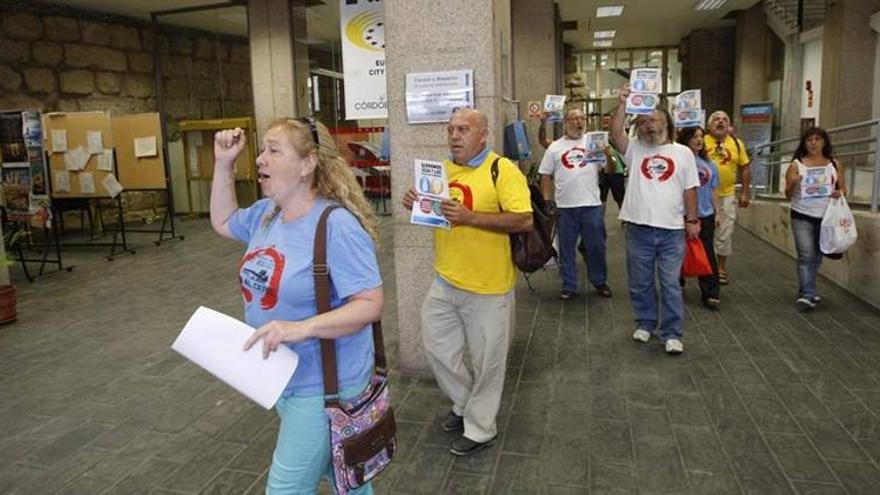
310 121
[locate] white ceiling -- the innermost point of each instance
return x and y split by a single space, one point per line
322 20
643 23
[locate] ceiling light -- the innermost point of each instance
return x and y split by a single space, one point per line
602 44
604 34
609 11
709 4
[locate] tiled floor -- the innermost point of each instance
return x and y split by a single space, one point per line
764 399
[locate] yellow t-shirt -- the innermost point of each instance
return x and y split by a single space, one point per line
728 158
473 259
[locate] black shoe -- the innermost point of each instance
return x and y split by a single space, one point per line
566 295
453 422
604 290
465 446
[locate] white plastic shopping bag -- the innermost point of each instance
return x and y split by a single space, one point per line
838 231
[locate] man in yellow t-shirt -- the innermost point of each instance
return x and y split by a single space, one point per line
729 154
470 307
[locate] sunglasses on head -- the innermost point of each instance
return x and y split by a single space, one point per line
310 121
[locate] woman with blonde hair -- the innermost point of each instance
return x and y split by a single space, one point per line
301 174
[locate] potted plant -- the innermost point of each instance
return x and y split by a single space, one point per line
8 302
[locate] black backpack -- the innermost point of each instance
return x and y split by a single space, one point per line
532 250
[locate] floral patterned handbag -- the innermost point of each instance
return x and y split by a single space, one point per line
362 429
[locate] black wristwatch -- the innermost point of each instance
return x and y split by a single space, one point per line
693 221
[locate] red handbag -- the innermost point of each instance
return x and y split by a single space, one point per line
696 262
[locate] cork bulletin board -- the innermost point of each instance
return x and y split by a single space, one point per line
67 137
139 172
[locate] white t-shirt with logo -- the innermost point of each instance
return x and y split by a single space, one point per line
658 178
576 181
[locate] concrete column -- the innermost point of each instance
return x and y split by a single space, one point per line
847 81
792 86
277 61
534 59
424 36
750 80
875 26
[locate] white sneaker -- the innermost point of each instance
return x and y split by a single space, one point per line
674 346
805 303
641 335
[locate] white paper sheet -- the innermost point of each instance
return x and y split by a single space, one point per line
76 159
105 161
213 341
87 183
95 142
59 140
112 185
145 146
62 181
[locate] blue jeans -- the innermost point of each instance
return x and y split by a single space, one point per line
302 451
650 251
809 258
588 223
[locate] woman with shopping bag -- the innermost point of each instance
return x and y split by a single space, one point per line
812 180
697 256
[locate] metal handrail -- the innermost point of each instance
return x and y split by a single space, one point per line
766 152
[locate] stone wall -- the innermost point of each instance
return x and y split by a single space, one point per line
707 63
58 59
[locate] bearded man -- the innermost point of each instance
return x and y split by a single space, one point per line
660 209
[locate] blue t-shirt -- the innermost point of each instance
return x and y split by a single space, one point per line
277 284
708 173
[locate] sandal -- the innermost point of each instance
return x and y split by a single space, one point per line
722 278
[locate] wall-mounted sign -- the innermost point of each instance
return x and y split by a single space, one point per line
433 96
363 58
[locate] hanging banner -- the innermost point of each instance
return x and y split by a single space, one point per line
756 128
363 58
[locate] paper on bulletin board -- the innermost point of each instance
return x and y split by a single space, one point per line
145 146
105 161
62 181
95 142
432 186
112 185
59 140
87 183
214 341
76 159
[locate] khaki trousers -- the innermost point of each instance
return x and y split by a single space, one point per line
455 321
727 222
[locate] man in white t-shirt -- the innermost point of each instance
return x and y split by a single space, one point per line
660 208
576 179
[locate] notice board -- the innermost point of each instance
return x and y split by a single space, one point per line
139 168
76 142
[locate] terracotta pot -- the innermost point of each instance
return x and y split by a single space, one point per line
7 304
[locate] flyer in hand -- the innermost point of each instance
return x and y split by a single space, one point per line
432 187
645 85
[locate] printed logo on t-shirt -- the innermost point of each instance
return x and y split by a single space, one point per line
461 193
260 274
704 173
657 167
721 155
574 157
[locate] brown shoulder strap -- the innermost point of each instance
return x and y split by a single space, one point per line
321 274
